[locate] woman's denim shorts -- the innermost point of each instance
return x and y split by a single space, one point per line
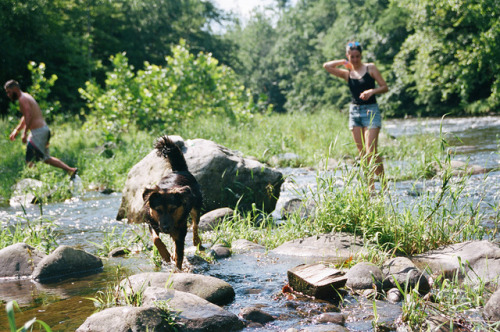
367 116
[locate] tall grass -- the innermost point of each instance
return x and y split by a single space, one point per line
40 233
344 203
104 159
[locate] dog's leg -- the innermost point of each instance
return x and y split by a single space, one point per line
195 217
162 249
179 251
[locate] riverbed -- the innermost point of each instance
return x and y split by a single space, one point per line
256 277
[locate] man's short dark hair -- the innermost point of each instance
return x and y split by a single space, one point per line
11 84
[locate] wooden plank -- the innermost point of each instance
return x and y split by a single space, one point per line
316 280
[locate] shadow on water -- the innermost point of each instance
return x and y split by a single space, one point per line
257 277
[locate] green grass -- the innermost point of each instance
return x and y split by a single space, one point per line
390 226
104 160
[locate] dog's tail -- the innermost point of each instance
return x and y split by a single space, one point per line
166 148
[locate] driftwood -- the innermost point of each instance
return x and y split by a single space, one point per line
316 280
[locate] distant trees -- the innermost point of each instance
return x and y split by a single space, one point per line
438 56
75 38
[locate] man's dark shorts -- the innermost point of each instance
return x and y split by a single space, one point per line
37 148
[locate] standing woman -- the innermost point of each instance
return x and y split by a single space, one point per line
365 120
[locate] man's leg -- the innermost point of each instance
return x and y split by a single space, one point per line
60 164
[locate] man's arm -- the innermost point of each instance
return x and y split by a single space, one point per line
25 108
21 125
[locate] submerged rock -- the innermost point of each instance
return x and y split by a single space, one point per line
256 315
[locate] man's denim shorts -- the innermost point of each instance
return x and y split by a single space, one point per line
367 116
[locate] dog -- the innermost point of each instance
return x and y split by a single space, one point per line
168 205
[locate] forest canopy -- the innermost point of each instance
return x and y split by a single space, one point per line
437 56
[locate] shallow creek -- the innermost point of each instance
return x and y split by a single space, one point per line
257 277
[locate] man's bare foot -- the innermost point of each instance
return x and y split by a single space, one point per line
72 173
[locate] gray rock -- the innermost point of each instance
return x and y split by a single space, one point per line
194 313
336 248
439 324
218 251
403 271
460 168
330 317
117 252
19 260
65 262
394 295
285 159
296 206
210 220
206 287
492 308
482 256
226 179
243 245
364 276
256 315
126 319
324 328
23 192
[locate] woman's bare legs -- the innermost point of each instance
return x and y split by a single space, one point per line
367 141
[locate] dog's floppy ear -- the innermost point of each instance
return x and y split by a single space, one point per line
148 191
186 193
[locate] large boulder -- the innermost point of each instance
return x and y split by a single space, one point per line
226 179
209 288
193 312
337 248
65 262
19 260
482 257
126 319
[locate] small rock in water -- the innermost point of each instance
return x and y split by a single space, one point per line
394 295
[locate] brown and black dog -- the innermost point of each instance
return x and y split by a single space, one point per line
168 205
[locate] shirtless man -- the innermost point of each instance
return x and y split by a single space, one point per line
37 147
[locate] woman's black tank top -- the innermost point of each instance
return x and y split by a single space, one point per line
357 86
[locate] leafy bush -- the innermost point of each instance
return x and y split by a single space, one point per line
160 98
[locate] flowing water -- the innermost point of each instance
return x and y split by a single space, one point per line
257 277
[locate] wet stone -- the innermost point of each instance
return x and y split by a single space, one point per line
218 252
394 295
364 276
117 252
256 315
331 317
